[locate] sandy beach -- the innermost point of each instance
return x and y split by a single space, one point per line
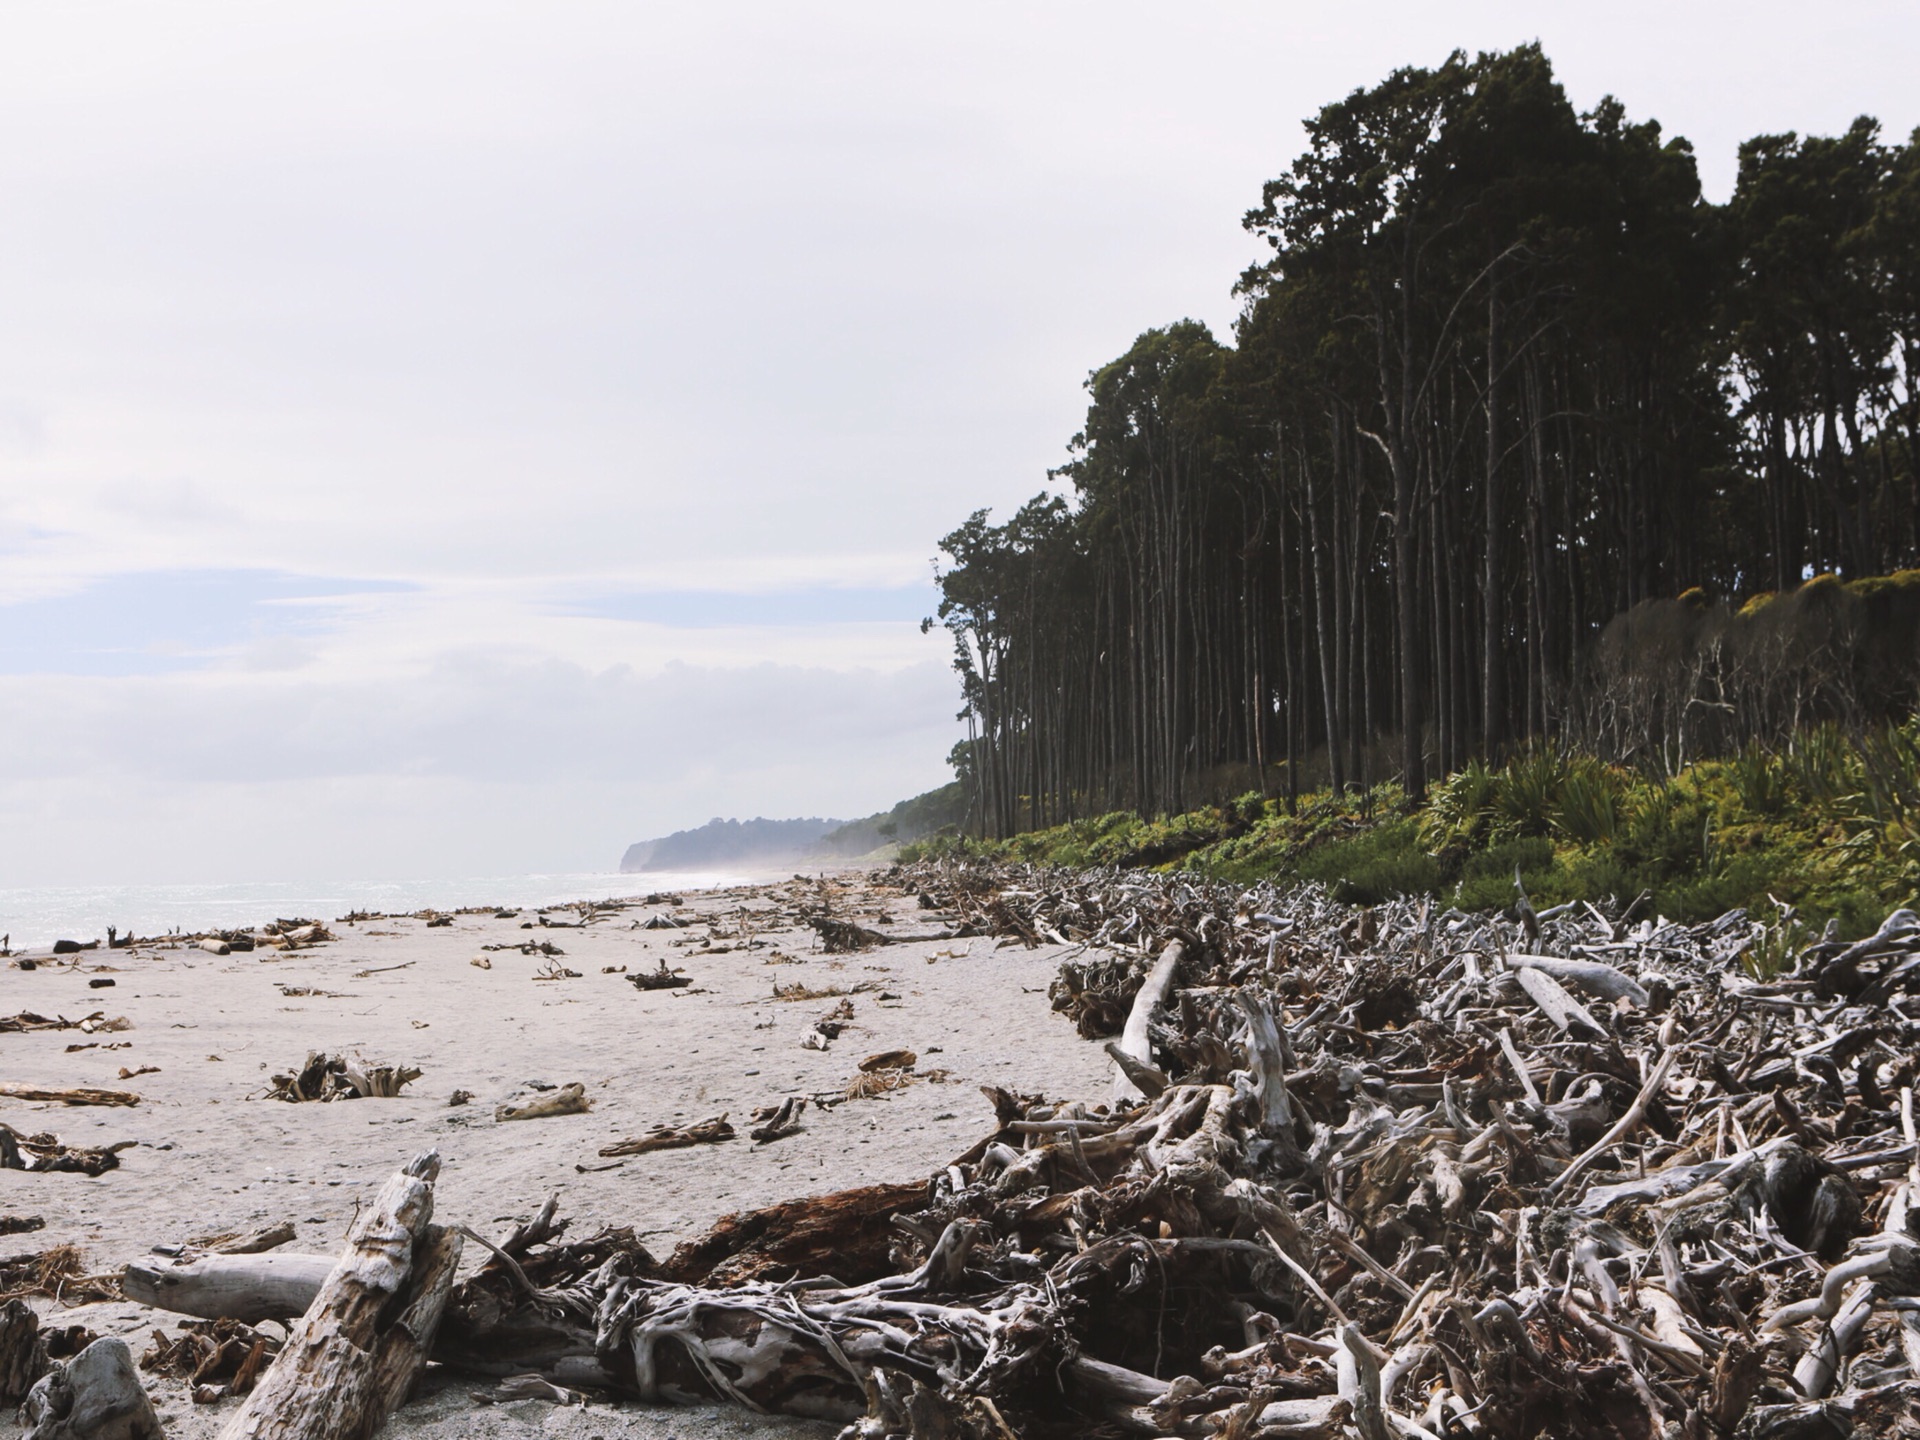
212 1153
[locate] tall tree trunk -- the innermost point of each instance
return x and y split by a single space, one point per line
1492 657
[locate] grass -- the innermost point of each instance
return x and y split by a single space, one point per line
1829 829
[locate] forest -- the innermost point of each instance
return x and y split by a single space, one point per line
1514 440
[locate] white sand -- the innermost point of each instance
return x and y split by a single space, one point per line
215 1156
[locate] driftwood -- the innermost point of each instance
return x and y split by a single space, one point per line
353 1355
98 1021
779 1121
673 1137
661 979
217 1358
246 1242
23 1354
248 1288
330 1077
58 1273
1133 1053
95 1396
44 1152
70 1095
1406 1176
839 937
868 1083
567 1100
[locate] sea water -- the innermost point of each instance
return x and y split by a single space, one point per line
37 916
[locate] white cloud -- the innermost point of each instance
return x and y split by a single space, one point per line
265 775
521 307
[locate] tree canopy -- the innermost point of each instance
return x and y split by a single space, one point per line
1503 374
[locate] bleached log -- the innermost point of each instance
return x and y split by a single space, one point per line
1134 1039
250 1288
1266 1059
352 1357
1815 1371
1359 1373
97 1395
567 1100
1592 976
1147 1079
1621 1127
1554 1000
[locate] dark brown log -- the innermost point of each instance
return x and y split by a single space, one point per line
23 1358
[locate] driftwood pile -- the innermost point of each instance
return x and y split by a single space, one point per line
45 1152
662 978
294 934
99 1022
217 1358
1387 1172
335 1077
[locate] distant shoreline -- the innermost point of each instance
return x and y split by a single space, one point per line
34 917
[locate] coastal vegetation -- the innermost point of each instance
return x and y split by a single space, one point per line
1522 455
1825 830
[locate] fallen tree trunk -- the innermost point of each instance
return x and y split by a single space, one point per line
249 1288
1134 1042
69 1095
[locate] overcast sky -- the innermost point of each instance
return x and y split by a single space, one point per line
465 438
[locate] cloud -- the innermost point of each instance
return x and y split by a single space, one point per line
262 773
173 503
438 432
141 622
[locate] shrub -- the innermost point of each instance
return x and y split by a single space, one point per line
1486 879
1528 794
1459 807
1376 865
1592 796
1761 781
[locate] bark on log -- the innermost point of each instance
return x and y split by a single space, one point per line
71 1095
351 1358
23 1359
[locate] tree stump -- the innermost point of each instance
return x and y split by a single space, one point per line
354 1354
97 1395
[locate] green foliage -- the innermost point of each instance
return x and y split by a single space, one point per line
1529 792
1486 878
1761 781
1779 943
1377 864
1591 801
1461 806
1831 828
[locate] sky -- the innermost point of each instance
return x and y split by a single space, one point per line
463 438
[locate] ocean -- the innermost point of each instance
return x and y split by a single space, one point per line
34 917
